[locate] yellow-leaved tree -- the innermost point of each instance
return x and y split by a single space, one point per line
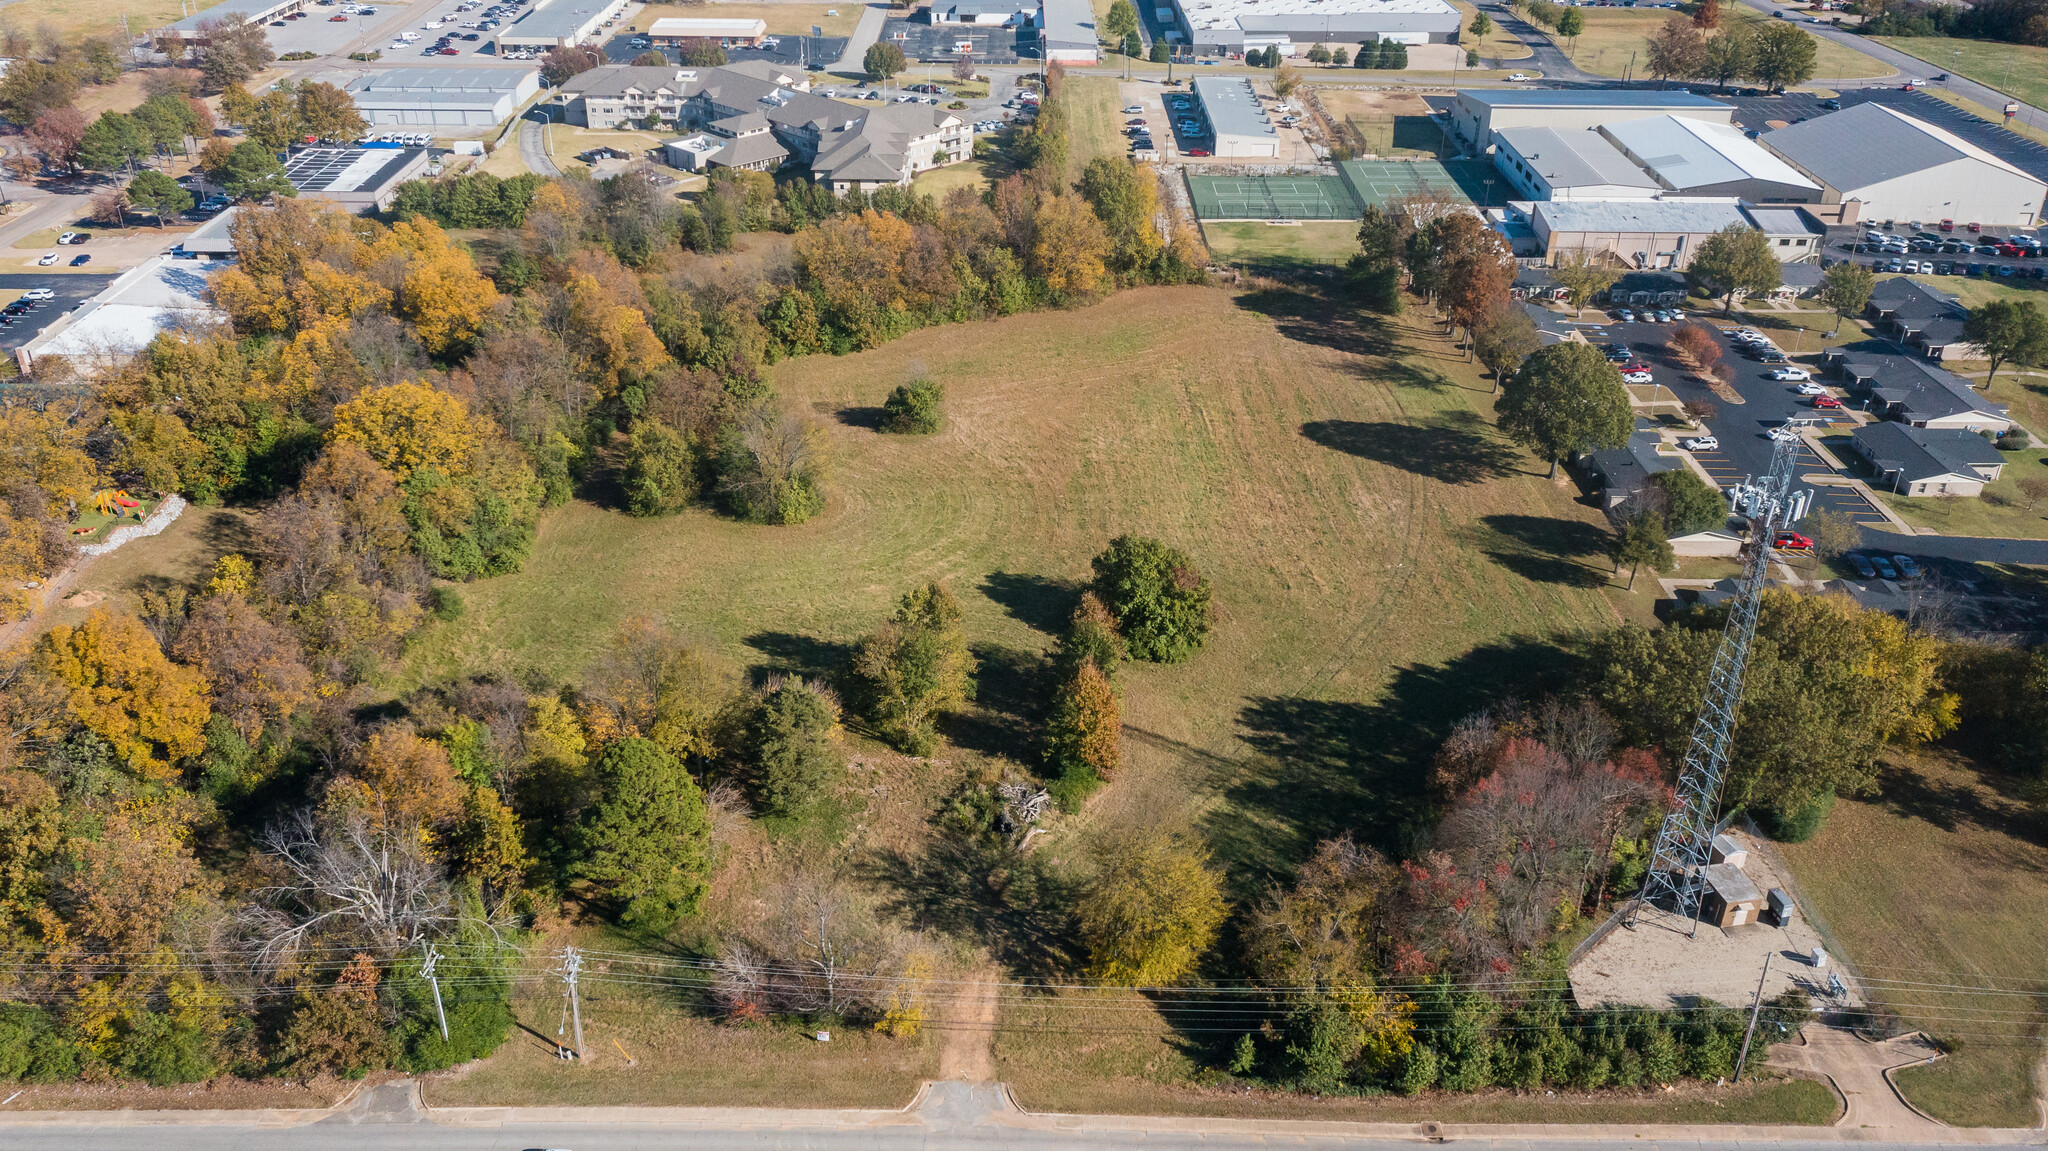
408 426
120 685
443 294
1152 911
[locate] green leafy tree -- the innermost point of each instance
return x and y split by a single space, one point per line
1482 25
1566 400
157 194
252 172
1091 637
1691 504
1639 540
31 88
1376 268
1158 52
1084 733
914 407
1152 911
1570 24
112 142
1782 55
1121 21
917 667
1726 58
1160 602
1735 260
1339 57
882 61
2008 330
792 746
1585 276
170 119
647 840
1845 289
660 477
652 58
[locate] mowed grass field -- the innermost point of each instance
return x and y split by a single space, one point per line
1364 528
2016 69
1263 247
1942 881
1614 35
1496 44
75 19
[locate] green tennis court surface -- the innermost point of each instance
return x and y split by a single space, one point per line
1385 182
1272 197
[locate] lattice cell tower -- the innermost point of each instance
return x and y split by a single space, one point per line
1685 842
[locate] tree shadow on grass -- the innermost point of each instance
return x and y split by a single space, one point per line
859 417
791 654
1544 549
975 887
1322 768
1010 691
1457 449
1041 603
1316 319
1951 806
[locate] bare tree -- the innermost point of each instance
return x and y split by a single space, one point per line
349 879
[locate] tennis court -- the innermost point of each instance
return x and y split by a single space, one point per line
1386 182
1272 198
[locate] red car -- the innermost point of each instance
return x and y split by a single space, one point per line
1826 402
1198 151
1791 542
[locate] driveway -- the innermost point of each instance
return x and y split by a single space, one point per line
865 34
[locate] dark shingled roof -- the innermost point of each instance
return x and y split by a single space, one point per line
1923 453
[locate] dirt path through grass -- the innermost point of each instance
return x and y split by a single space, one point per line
969 1020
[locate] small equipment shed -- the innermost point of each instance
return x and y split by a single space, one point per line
1730 899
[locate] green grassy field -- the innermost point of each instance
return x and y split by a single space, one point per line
1093 122
1943 879
1267 249
1496 44
2001 511
2016 69
1615 35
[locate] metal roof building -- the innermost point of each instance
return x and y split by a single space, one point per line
1066 32
443 97
1701 158
1645 233
1241 126
672 30
1236 25
1548 164
1884 165
355 178
254 11
559 22
1476 114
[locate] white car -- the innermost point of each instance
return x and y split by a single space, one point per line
1134 110
1749 336
67 237
1519 76
1810 388
1700 444
46 261
1785 435
1636 377
1791 374
40 294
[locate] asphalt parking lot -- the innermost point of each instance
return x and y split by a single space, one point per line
72 290
938 42
1743 429
793 51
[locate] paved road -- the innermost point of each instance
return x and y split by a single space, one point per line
534 150
952 1115
1963 549
864 36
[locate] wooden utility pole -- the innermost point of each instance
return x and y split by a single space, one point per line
1755 1009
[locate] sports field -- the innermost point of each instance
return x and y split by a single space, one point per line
1387 181
1272 198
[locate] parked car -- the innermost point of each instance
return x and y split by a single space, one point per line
1198 151
1748 336
1636 377
1790 373
1827 403
35 294
1617 353
1133 110
67 237
46 261
1906 566
1700 444
1884 567
1809 388
81 259
1791 542
1772 356
1863 566
1625 315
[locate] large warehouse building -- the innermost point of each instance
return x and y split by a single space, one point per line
1241 127
1477 114
1569 164
1702 158
1232 26
1877 164
1661 234
358 179
443 97
560 23
670 31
